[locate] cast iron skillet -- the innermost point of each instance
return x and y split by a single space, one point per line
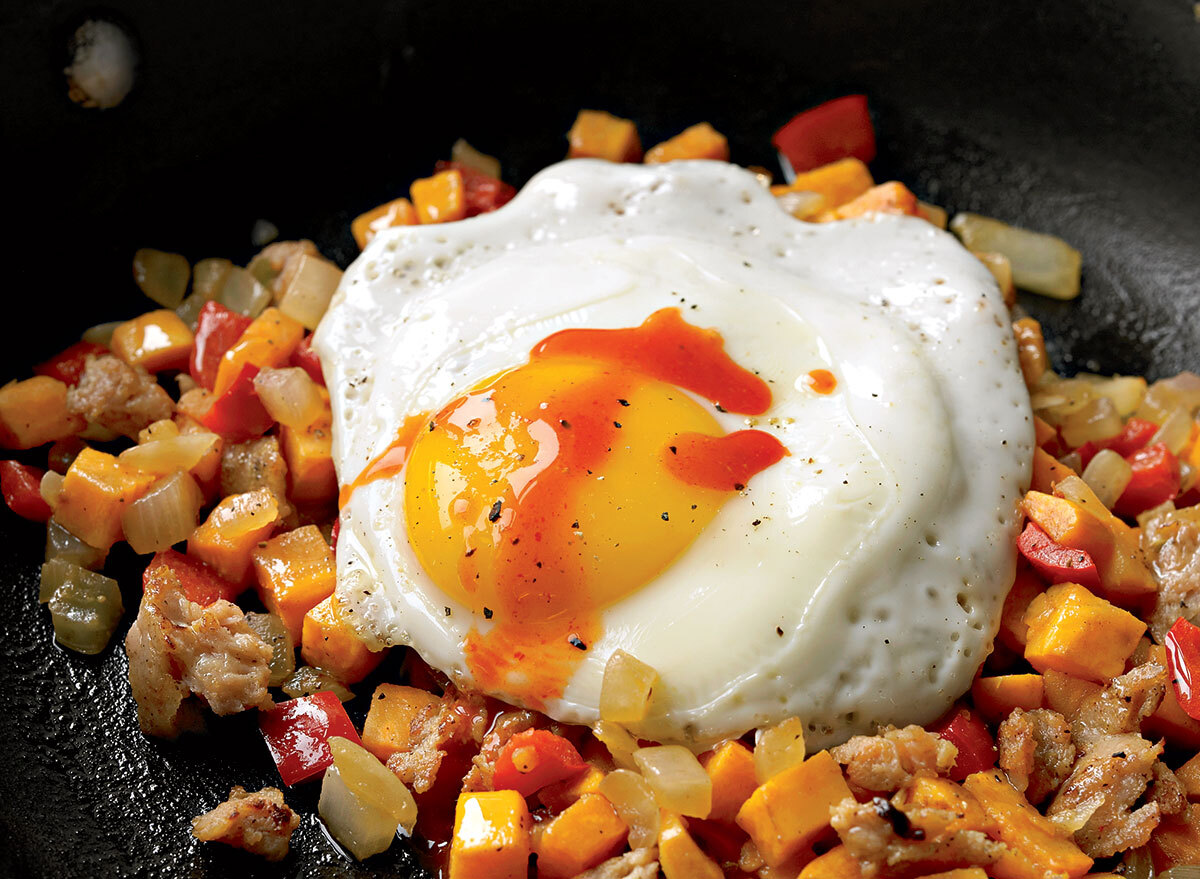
1077 117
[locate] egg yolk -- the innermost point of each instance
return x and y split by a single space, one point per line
559 487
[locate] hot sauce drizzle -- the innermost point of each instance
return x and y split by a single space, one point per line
821 381
391 460
725 463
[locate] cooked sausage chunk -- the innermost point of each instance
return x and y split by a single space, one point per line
1036 751
119 397
641 863
885 762
1120 707
453 723
261 823
1170 541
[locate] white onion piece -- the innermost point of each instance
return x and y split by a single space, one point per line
362 828
679 782
51 487
1055 398
1107 474
1175 431
800 204
466 154
309 290
289 396
1125 391
1186 387
1183 871
627 688
1095 421
778 748
242 293
158 430
309 679
619 742
634 802
161 276
1074 460
1040 263
373 783
163 516
103 61
101 334
163 456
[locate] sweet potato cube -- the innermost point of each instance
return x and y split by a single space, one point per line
1073 631
886 198
562 794
228 537
701 141
268 342
34 412
327 641
1043 431
948 798
600 135
1048 471
95 491
295 573
587 832
1177 843
156 340
1189 776
996 697
1036 845
837 863
837 183
388 727
730 766
491 836
309 456
1169 719
397 212
441 198
785 814
1065 694
679 856
1025 588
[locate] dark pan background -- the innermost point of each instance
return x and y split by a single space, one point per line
1072 117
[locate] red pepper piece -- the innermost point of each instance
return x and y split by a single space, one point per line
217 330
197 581
1133 436
67 365
482 193
238 415
1055 562
976 751
834 130
1155 480
307 359
1183 665
533 759
21 486
297 734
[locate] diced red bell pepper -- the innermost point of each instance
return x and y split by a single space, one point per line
197 581
21 486
216 332
1133 436
67 365
1183 665
307 359
238 415
532 759
482 193
976 750
834 130
297 734
1055 562
1155 480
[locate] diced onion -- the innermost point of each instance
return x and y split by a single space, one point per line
1073 460
1075 489
1180 391
158 430
778 748
163 456
634 802
373 783
309 289
466 154
1175 431
619 742
85 607
362 828
1183 871
801 205
208 276
63 545
161 276
242 293
1107 474
679 782
627 688
163 516
271 629
1095 421
101 334
1055 398
1040 263
289 396
1125 391
309 679
51 488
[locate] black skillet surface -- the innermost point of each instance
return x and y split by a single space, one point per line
1074 117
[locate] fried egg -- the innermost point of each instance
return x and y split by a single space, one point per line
642 408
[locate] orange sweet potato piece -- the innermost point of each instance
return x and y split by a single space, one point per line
388 727
1031 351
996 697
397 212
886 198
441 198
730 766
491 836
701 141
586 833
1073 631
309 456
679 856
268 342
1048 471
837 863
1043 431
231 532
1025 588
34 412
1177 843
561 794
600 135
837 183
1066 694
295 573
327 641
156 340
95 491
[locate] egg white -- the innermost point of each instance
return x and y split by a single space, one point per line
856 582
